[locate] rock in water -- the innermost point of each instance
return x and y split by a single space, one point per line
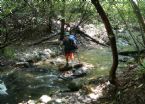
67 68
3 88
78 65
75 85
45 99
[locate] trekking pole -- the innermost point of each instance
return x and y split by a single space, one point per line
78 56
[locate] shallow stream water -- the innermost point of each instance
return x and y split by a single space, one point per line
25 85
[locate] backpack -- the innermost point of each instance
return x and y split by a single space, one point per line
74 45
72 37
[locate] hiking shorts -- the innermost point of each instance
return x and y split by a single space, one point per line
69 55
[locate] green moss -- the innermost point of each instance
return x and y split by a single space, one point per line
9 52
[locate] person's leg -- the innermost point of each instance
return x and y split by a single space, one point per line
72 58
67 58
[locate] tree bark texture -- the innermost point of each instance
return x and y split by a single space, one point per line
62 21
111 36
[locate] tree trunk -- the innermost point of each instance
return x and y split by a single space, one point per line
50 17
62 21
112 40
139 17
62 29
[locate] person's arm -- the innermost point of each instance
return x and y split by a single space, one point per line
74 45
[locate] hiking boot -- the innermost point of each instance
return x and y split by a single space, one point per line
73 70
66 65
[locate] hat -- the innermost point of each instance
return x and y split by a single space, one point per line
66 33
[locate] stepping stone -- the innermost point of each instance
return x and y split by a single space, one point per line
67 68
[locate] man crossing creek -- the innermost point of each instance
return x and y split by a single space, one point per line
70 47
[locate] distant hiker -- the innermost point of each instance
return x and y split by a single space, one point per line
75 46
69 48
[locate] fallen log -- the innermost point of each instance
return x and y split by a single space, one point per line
92 39
131 53
43 40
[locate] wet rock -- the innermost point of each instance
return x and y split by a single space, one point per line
82 71
75 85
58 61
79 73
31 69
44 55
22 64
84 67
58 101
79 70
64 68
3 88
45 99
2 65
125 58
93 96
31 102
35 55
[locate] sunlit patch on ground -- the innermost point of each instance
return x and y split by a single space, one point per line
97 91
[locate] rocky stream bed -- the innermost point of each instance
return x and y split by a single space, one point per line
36 79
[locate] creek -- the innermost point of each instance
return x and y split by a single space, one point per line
21 85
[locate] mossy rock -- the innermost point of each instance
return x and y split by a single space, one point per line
75 85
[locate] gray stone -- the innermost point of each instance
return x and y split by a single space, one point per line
3 88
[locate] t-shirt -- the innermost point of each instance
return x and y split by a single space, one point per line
69 45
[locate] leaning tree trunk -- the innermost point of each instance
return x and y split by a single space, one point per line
112 40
